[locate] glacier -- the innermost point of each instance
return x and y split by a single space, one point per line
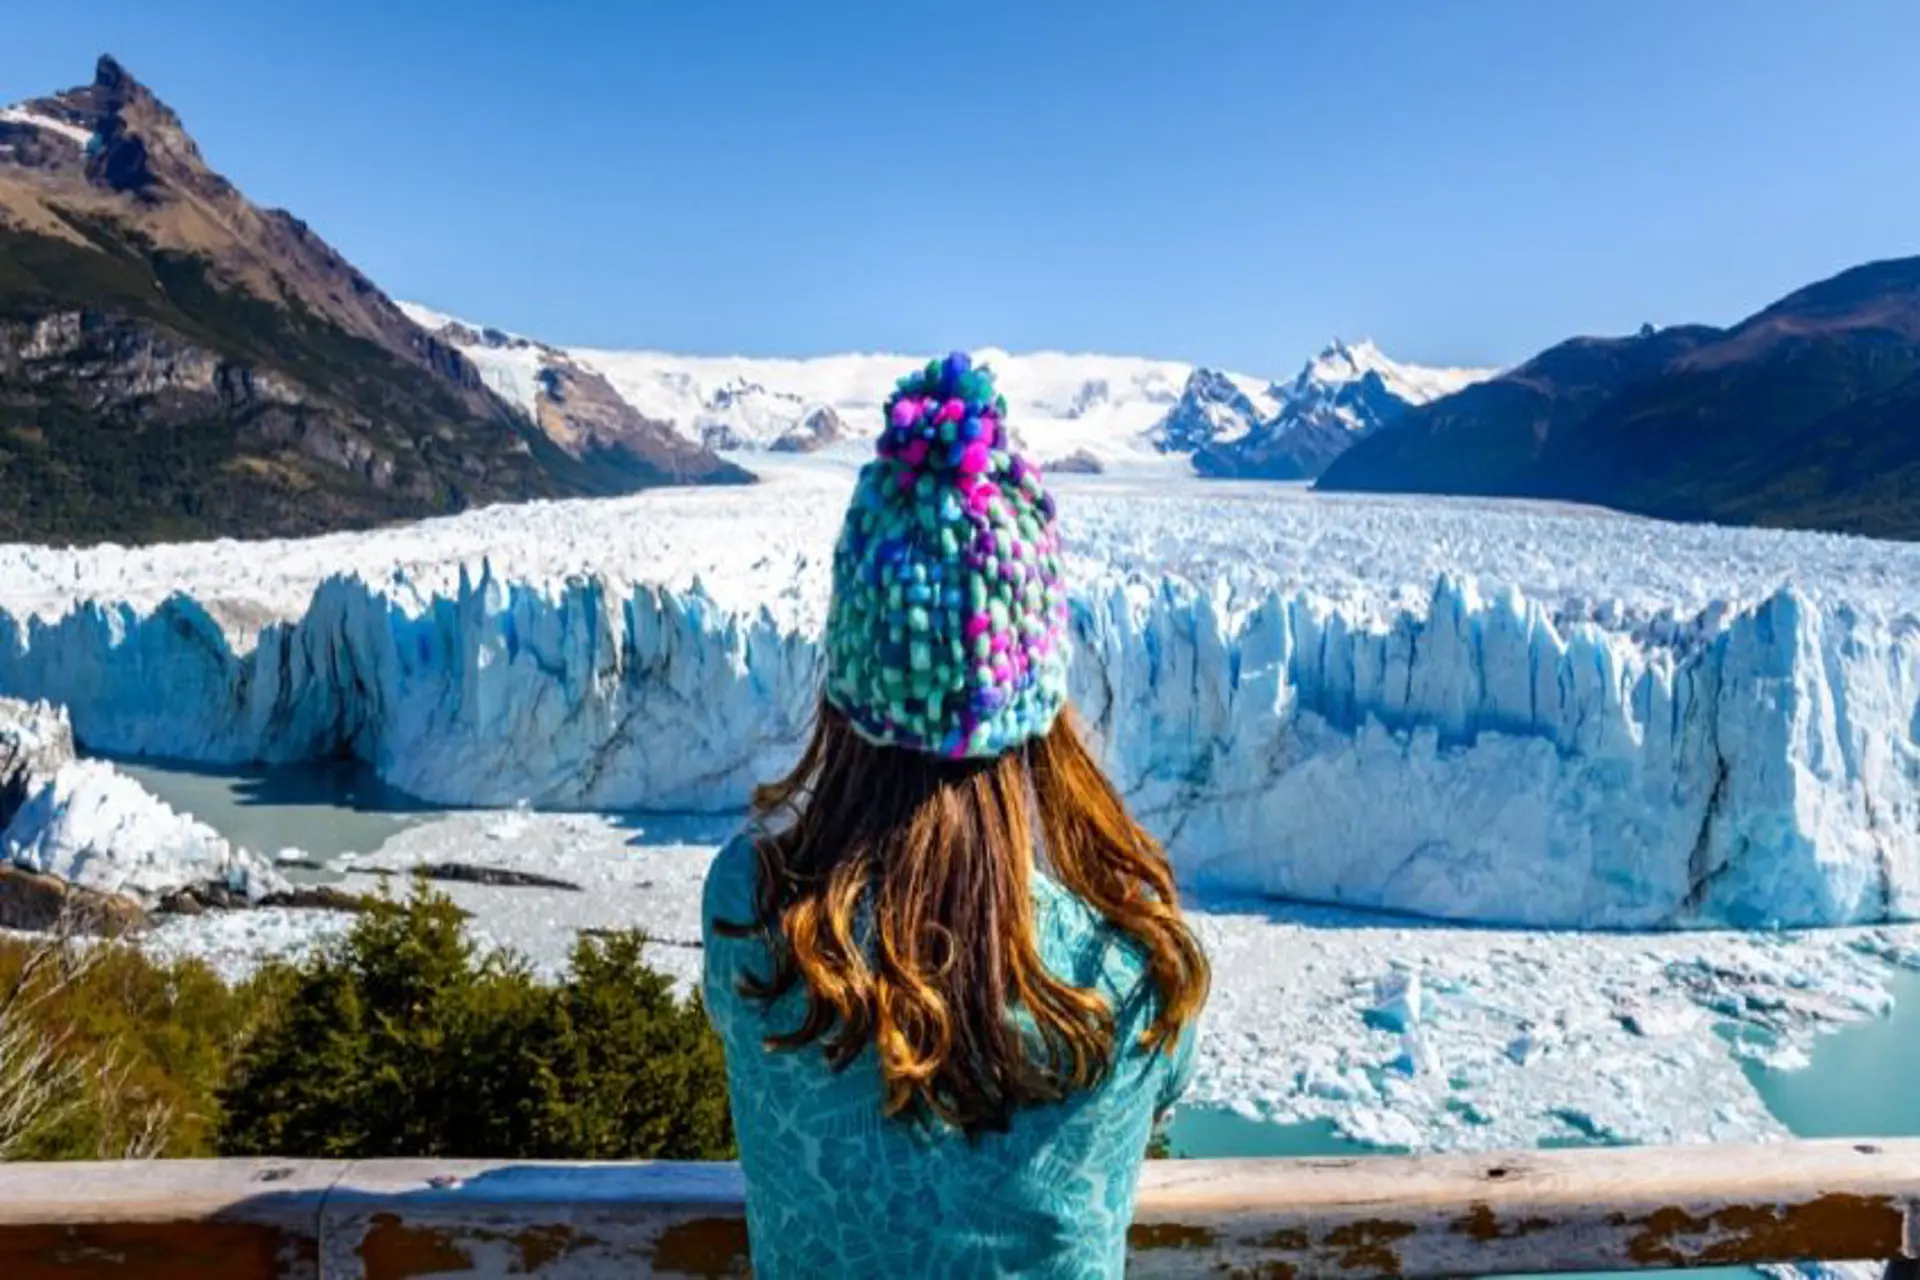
1742 753
87 823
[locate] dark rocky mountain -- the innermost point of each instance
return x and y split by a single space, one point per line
1804 415
579 410
176 362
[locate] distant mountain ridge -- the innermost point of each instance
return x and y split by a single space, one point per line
1805 414
1077 411
1059 404
178 362
1292 431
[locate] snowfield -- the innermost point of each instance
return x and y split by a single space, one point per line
1500 713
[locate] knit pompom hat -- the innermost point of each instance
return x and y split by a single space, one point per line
947 631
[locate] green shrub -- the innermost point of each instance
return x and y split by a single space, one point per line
105 1053
403 1041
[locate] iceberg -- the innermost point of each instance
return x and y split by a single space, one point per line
93 826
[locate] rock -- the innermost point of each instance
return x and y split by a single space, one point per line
653 940
319 897
36 904
820 428
499 877
198 899
194 899
1081 462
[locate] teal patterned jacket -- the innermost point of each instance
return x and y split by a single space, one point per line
834 1189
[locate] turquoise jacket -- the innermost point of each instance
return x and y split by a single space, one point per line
834 1189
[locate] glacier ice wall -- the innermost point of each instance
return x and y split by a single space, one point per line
1468 761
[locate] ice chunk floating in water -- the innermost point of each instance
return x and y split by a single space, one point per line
1494 759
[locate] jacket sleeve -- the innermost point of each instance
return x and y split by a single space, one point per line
727 895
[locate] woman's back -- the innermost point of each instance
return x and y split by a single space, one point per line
837 1189
948 967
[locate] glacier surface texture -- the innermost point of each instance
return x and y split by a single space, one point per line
1369 730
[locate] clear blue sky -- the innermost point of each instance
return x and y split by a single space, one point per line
1230 181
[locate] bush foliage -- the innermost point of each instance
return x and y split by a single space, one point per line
405 1042
109 1053
400 1040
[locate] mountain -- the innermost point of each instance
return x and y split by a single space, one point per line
1215 409
1072 412
1805 415
576 407
176 362
1060 405
1292 431
1105 407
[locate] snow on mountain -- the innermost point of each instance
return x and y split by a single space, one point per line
1342 363
1346 392
1058 403
1215 408
19 115
1628 724
576 407
509 364
1108 408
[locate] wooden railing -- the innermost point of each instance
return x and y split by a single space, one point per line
1531 1212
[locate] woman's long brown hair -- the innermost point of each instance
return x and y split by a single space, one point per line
897 888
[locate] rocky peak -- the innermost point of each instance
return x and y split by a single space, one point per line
1213 407
134 142
820 427
110 77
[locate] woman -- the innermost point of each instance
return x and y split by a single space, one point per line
950 972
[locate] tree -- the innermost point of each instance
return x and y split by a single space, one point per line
404 1041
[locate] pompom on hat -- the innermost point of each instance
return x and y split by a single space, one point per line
947 630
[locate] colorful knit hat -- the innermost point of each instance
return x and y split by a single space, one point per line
947 631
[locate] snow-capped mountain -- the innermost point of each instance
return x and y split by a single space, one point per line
1215 408
1086 411
1079 407
1293 431
1061 405
574 406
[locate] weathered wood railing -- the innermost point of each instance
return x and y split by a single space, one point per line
1538 1211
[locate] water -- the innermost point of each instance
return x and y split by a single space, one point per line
323 810
1216 1133
1861 1083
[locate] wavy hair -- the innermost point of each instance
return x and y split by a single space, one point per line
896 887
